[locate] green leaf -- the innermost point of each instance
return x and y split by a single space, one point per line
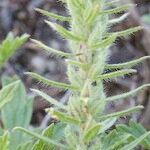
49 99
21 106
52 15
127 64
92 14
44 139
127 31
50 82
64 32
135 130
108 123
135 142
128 94
92 133
4 141
115 74
117 10
104 43
25 146
114 140
77 64
119 19
112 2
18 112
51 50
63 117
7 93
10 45
55 132
121 113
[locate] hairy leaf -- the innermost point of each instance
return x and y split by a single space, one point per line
127 64
125 95
121 113
49 99
51 50
50 82
52 15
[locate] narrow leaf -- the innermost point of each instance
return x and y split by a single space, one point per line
77 64
104 43
107 124
121 113
49 99
120 19
125 95
50 82
127 64
137 141
63 117
92 14
52 15
135 130
112 2
64 32
127 32
117 10
51 50
115 74
45 139
91 133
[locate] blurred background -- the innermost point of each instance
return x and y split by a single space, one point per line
20 17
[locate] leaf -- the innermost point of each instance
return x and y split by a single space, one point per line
10 45
4 141
117 10
45 139
92 14
52 15
121 113
55 132
77 64
50 82
25 146
104 43
127 31
51 50
63 117
112 2
135 142
108 123
125 95
21 106
115 74
119 19
49 99
135 130
114 140
18 112
127 64
91 133
7 93
64 32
